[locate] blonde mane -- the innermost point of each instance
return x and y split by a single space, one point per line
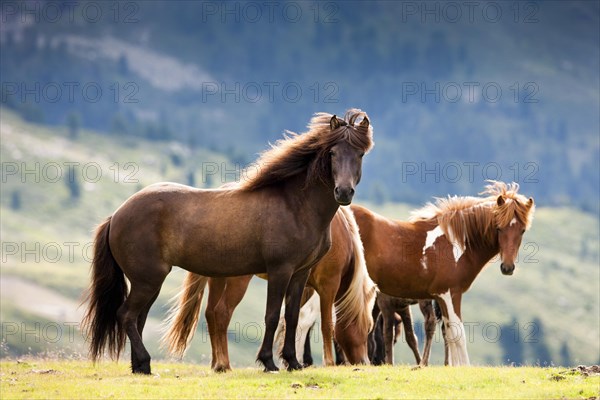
474 220
308 151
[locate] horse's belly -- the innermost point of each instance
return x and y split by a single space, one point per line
216 262
404 290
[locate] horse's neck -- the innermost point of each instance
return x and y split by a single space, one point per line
476 259
317 199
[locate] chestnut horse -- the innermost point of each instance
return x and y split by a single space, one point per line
444 246
340 277
276 222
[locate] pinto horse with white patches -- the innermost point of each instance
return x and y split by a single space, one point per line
444 246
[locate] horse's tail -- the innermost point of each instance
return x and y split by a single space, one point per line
184 314
355 306
106 294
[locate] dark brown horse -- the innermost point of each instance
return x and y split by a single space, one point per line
276 222
391 314
440 252
340 277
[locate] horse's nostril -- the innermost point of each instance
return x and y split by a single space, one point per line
336 191
351 192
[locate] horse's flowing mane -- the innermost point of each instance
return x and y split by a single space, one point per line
309 152
474 220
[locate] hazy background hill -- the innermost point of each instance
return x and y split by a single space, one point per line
188 91
515 84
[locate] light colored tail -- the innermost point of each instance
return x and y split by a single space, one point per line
184 314
355 306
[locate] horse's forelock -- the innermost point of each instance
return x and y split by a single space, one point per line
516 206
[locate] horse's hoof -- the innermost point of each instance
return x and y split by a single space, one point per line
221 368
269 365
294 366
141 369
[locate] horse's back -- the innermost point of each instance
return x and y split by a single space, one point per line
393 251
197 229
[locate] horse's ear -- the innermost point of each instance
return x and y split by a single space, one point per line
365 122
530 202
500 200
334 122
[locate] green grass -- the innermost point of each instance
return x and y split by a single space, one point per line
81 379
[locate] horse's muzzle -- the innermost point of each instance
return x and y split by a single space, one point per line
507 269
343 195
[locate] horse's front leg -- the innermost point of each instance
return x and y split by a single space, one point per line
454 330
292 312
278 282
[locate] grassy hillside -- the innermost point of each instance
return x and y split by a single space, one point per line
551 304
34 379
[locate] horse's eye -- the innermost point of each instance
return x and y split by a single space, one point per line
331 153
361 155
523 231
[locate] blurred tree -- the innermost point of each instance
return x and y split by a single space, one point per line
119 124
123 65
74 124
539 347
565 355
378 194
73 183
176 159
191 178
511 343
15 200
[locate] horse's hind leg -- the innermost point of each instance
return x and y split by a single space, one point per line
327 298
216 287
409 333
219 316
388 314
140 299
141 321
430 322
